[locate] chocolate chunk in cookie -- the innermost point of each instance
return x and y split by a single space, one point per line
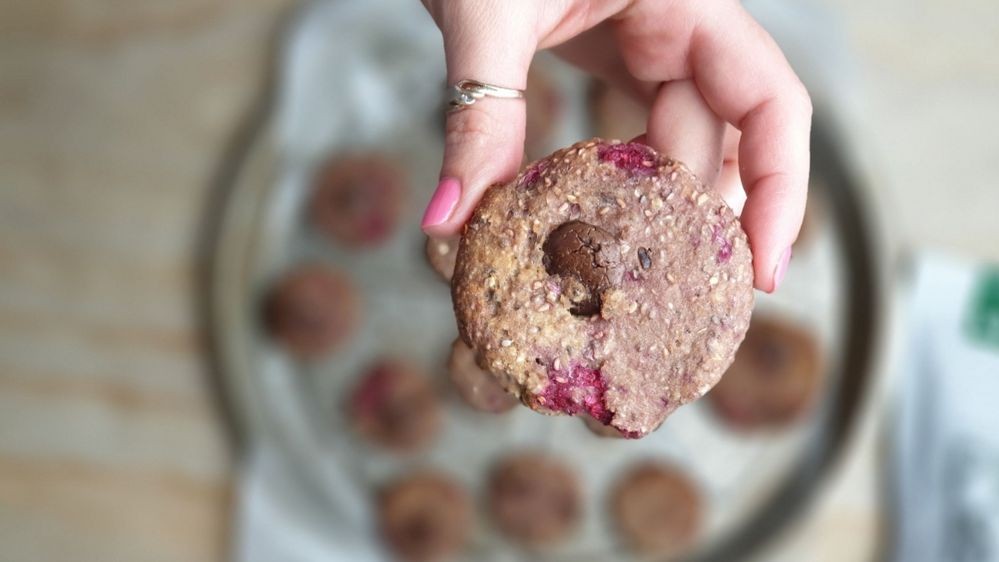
588 261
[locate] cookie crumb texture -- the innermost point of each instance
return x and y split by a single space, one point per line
425 517
605 280
477 388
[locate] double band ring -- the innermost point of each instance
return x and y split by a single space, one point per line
467 92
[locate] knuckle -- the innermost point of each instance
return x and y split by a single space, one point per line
469 126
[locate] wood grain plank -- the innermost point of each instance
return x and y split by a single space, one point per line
70 510
114 117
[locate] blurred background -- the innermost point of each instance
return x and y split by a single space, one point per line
119 125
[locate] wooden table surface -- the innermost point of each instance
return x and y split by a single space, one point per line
113 119
114 116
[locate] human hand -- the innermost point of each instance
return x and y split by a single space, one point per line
723 100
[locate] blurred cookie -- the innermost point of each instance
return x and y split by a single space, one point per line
441 253
534 499
425 517
615 114
604 280
477 388
657 509
545 105
774 379
356 200
311 311
395 406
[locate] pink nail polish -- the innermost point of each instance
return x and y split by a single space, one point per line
443 202
781 269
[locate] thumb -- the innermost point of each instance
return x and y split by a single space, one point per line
483 142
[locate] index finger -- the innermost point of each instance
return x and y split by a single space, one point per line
746 80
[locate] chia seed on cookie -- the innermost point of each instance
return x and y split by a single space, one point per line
774 379
356 200
534 499
425 517
311 311
657 509
604 280
477 388
395 406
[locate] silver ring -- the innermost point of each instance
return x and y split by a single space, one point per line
467 92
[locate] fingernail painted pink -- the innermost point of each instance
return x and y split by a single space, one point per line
781 268
443 202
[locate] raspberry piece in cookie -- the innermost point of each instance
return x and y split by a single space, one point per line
425 517
607 281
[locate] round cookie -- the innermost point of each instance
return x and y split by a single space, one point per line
615 114
356 200
604 280
656 509
774 379
424 517
476 387
311 311
534 499
395 406
441 253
